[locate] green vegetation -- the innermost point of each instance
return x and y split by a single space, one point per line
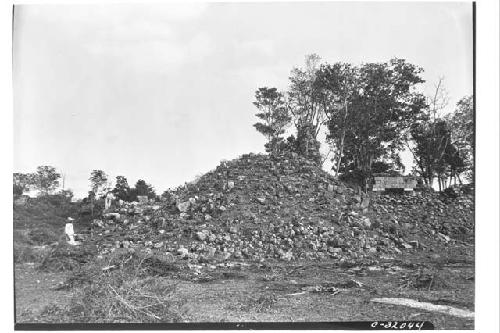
370 114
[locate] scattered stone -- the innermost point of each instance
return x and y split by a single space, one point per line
414 243
167 258
366 222
286 256
444 237
112 216
211 251
182 251
183 207
278 212
202 235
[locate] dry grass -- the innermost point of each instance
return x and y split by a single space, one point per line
125 295
120 288
114 299
64 257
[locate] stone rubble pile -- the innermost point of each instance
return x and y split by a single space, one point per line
279 207
427 215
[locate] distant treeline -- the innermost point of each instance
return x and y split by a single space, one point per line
47 181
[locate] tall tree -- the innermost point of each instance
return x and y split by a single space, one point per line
461 123
305 104
337 83
22 182
46 179
382 106
98 180
432 141
143 188
122 189
274 116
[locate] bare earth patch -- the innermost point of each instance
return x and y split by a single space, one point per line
281 292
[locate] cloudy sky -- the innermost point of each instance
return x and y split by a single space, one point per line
164 92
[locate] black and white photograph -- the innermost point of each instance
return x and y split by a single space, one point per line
244 165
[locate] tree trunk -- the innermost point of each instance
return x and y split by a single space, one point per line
342 138
341 150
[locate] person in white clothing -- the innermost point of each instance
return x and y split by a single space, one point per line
70 233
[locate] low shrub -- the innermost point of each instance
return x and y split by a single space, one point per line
122 295
64 257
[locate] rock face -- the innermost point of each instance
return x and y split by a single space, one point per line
287 208
428 214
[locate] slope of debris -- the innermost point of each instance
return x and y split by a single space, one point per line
429 215
262 207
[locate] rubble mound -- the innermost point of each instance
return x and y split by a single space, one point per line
428 215
282 207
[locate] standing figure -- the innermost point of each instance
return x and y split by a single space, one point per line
70 233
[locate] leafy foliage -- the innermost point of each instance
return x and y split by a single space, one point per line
122 189
98 180
307 145
22 182
142 188
382 105
368 109
338 83
300 106
434 153
431 142
304 96
274 115
461 123
46 179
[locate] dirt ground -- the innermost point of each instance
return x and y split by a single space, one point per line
35 293
286 292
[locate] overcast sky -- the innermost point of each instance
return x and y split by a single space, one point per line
164 92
